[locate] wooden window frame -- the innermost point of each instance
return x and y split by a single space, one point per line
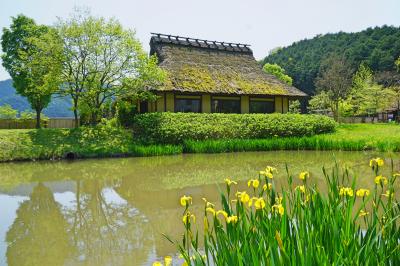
188 97
226 97
263 99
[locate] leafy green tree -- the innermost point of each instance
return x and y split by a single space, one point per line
32 58
335 80
103 61
366 96
376 99
7 112
362 79
395 86
27 115
379 47
278 72
320 103
295 107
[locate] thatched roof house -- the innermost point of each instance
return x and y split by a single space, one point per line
211 76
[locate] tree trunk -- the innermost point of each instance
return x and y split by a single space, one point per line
38 111
76 119
337 112
93 118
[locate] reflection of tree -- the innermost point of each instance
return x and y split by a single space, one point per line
38 235
106 232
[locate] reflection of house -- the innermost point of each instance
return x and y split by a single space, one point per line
209 76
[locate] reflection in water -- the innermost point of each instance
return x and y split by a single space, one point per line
38 235
121 207
106 232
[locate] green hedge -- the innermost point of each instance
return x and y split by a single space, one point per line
177 127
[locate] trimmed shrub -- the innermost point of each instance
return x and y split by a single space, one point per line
177 127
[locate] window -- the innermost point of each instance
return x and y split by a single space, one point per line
144 107
262 105
225 105
186 104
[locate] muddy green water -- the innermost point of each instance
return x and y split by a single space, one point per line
114 211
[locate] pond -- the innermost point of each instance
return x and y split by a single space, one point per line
114 211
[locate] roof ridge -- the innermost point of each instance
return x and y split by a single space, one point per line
200 43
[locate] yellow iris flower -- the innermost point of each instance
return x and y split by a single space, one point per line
188 217
208 204
267 187
346 191
253 182
211 210
259 204
232 219
278 200
304 175
388 194
301 188
278 208
379 180
268 172
167 260
376 162
186 200
243 196
230 182
362 192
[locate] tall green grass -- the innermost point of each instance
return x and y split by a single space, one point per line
289 143
299 225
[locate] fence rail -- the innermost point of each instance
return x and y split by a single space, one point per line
31 123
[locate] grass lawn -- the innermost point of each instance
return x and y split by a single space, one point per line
107 141
84 142
367 131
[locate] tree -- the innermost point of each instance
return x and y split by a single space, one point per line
375 99
294 107
26 114
335 79
32 58
7 112
362 79
278 72
379 47
366 96
396 90
320 103
102 62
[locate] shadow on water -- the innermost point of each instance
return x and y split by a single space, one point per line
114 211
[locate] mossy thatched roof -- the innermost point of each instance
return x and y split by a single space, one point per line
194 65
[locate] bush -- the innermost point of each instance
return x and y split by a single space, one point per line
178 127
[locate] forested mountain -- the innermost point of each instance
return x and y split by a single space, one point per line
379 47
58 107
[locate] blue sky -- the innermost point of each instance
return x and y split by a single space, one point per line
263 24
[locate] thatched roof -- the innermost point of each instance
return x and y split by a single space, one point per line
194 65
